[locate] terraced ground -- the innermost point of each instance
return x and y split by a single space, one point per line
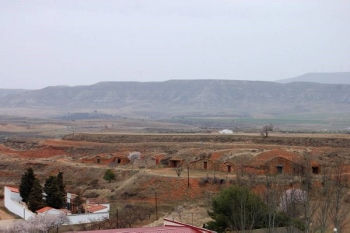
135 185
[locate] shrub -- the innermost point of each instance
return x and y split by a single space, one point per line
216 180
204 180
109 175
91 194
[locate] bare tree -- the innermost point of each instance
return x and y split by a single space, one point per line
309 206
58 220
265 130
20 226
127 216
179 170
109 223
271 197
48 221
338 212
323 201
78 201
97 224
134 156
179 210
143 212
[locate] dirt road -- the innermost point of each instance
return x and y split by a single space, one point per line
4 215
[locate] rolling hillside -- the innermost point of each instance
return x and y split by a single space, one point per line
188 97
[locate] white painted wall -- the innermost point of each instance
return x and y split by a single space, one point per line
16 197
20 209
15 205
101 211
108 207
51 211
85 218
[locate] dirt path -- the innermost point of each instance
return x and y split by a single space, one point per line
129 181
3 214
170 172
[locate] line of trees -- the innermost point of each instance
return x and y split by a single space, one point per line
53 193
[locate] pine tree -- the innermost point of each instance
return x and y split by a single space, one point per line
54 197
26 184
60 183
49 182
109 175
35 198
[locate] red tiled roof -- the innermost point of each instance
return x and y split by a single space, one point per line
168 222
97 200
65 211
173 229
14 190
44 209
96 208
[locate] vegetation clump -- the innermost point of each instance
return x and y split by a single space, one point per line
109 175
53 194
237 209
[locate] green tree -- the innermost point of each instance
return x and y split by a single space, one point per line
26 184
109 175
35 199
60 183
236 208
54 197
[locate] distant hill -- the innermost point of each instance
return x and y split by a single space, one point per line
188 97
327 78
7 92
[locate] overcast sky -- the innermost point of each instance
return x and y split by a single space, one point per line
81 42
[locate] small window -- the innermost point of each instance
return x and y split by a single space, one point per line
205 165
98 160
119 160
279 169
229 168
315 170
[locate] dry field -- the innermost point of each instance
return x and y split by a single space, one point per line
75 153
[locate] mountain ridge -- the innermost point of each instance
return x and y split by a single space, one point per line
6 92
324 78
178 97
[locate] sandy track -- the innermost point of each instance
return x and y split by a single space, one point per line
3 214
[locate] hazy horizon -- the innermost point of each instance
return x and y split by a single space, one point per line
82 42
